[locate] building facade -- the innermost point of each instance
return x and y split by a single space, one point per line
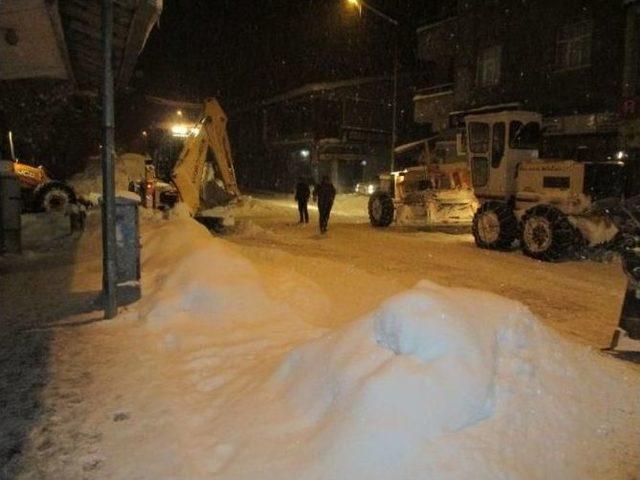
51 72
574 61
338 129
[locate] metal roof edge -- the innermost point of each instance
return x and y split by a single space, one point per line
311 88
428 26
145 18
58 31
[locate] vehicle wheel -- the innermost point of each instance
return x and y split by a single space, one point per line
55 197
547 234
381 209
495 226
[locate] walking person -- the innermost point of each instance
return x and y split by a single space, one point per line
324 194
302 197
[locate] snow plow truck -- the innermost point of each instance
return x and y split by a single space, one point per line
544 204
429 187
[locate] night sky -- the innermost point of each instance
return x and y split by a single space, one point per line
241 50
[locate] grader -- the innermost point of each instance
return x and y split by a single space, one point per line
543 203
430 187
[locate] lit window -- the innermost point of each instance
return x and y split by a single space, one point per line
574 46
489 66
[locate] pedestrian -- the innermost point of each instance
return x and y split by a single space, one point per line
302 197
324 194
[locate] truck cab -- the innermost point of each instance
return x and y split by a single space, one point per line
497 143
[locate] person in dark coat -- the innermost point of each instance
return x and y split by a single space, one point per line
302 197
324 194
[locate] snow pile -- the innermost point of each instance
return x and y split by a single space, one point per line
40 230
198 278
595 230
417 353
248 206
351 205
445 383
250 229
436 383
128 167
385 386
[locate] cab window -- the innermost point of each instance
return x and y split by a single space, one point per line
524 136
408 159
478 137
497 144
446 153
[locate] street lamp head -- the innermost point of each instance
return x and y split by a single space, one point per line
356 3
360 4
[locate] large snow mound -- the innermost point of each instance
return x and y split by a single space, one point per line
200 279
447 383
417 354
436 383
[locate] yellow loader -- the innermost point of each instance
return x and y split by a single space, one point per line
39 191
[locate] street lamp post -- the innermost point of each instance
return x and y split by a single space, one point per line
109 267
360 4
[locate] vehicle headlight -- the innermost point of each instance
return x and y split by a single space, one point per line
370 188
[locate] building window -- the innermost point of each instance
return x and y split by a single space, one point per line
489 66
574 46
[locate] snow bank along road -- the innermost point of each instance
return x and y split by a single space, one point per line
276 353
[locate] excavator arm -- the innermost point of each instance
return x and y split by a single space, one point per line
204 174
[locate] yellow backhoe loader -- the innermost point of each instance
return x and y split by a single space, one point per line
204 177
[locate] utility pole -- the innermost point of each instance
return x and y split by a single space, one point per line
109 285
360 4
630 71
394 123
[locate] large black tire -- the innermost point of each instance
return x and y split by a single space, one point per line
381 209
55 197
495 226
547 234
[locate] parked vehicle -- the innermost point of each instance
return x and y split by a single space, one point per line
38 190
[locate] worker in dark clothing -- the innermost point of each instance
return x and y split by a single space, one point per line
324 193
302 197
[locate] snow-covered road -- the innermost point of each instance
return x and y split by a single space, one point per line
273 352
580 299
